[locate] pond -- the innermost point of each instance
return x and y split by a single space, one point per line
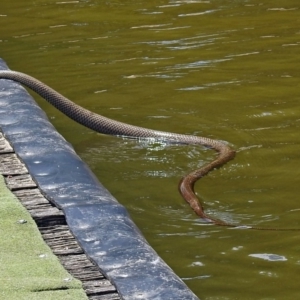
227 70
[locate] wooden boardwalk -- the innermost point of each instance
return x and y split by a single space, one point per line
53 227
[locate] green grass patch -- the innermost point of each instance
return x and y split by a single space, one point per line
28 268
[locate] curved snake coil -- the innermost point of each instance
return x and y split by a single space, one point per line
108 126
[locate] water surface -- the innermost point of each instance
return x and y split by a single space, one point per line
228 70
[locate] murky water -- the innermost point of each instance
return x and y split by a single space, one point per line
224 69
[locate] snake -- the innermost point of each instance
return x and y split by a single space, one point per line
109 126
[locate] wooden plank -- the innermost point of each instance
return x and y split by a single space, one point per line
20 182
60 240
42 211
97 286
10 164
5 147
32 198
84 269
113 296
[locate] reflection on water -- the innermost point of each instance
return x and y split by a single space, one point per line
223 69
269 257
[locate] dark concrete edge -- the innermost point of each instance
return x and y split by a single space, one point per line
100 224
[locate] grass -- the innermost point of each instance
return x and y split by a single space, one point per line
28 268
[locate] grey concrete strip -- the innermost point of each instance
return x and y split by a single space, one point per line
101 225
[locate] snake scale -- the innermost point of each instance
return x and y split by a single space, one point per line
105 125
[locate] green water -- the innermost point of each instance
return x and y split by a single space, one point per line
223 69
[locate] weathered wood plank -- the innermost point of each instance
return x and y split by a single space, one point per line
113 296
5 147
42 211
10 164
60 240
31 197
97 286
82 268
20 182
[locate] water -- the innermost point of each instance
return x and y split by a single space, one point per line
222 69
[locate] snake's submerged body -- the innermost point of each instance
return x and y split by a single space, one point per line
108 126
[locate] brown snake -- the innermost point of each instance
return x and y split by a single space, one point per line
108 126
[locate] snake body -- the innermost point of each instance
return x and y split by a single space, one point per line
105 125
